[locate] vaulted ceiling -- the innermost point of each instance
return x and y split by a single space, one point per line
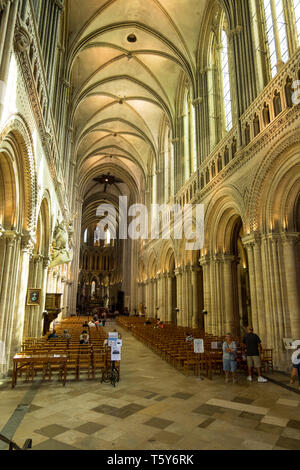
126 58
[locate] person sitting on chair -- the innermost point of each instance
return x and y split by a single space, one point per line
188 338
66 335
52 335
84 339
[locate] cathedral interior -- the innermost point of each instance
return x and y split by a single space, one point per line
161 103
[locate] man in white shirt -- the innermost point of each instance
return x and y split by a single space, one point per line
296 362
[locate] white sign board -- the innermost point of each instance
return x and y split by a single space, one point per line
288 343
198 346
216 345
112 338
115 353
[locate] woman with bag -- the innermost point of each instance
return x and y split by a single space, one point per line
229 358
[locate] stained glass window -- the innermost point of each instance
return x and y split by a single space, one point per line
297 15
85 236
226 82
281 25
271 36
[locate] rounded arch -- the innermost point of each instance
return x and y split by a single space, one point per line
220 220
43 227
17 158
152 265
276 158
276 208
167 252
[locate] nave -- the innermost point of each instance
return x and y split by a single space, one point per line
154 406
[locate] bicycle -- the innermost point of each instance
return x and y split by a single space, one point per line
110 374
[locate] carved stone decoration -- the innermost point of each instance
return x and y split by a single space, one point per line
22 39
61 252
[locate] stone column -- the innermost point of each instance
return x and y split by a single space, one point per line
260 295
249 245
185 293
189 296
204 262
267 269
178 274
7 278
45 265
7 47
216 294
257 284
275 243
195 301
292 276
164 296
230 320
152 298
160 312
10 260
147 303
4 15
27 245
169 296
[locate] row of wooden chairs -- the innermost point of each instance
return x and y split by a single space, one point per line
65 356
170 344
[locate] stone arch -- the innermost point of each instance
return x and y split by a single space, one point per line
279 201
166 252
16 149
44 221
221 216
152 265
273 160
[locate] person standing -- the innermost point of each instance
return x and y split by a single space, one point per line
296 362
253 348
229 358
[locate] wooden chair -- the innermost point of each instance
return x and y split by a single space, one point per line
58 365
267 359
72 364
37 364
98 362
84 362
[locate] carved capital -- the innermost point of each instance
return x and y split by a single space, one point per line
290 238
46 262
27 242
59 5
178 271
11 236
251 240
228 258
198 100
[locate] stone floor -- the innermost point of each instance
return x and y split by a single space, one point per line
153 407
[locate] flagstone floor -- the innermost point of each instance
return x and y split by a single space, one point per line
153 407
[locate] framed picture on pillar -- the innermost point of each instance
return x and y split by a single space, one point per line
34 297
